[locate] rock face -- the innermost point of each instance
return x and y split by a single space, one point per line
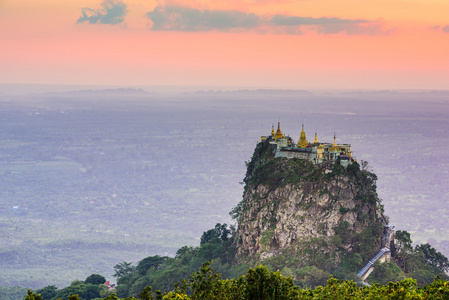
289 201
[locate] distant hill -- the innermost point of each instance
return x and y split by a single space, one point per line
259 92
386 94
107 92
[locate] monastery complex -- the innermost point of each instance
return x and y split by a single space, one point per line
315 151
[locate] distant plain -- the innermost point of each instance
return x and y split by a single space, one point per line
91 179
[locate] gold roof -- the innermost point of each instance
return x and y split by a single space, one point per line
278 133
302 143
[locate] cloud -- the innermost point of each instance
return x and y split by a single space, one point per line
326 25
181 18
282 20
435 27
112 12
354 29
175 17
444 29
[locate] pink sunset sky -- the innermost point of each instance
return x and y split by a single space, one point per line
349 44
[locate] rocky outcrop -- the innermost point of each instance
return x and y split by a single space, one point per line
296 201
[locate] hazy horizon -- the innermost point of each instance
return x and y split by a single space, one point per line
29 88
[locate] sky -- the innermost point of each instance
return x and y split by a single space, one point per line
302 44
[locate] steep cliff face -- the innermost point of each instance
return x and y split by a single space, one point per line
289 202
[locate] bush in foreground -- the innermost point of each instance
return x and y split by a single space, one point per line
261 284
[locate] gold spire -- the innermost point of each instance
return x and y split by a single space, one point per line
315 141
272 130
334 147
302 143
278 133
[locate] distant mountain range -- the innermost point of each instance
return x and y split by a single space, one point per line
259 92
107 92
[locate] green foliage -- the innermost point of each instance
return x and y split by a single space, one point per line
76 282
262 153
151 262
85 291
122 269
422 263
267 238
403 240
33 296
438 289
434 258
279 172
255 168
203 283
163 272
367 242
343 210
312 276
342 230
95 279
423 276
236 211
217 235
146 294
261 284
48 292
386 272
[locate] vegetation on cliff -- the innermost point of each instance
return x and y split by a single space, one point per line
309 220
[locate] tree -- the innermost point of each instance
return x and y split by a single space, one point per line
33 296
122 269
150 262
48 292
146 294
76 282
402 240
139 285
435 259
95 279
423 277
204 283
263 284
216 235
402 247
85 291
313 276
185 254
